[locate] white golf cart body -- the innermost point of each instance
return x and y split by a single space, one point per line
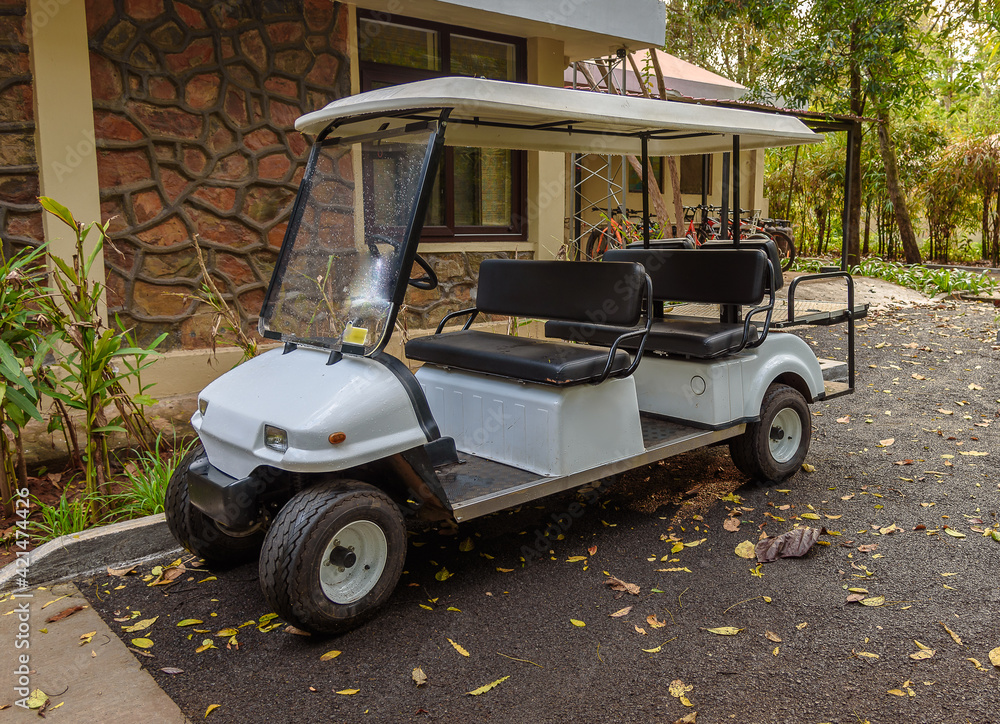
461 439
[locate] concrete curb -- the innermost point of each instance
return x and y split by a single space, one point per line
82 554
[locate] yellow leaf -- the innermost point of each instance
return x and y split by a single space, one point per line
922 654
746 549
694 543
142 643
575 622
419 677
620 612
653 621
995 657
678 688
210 709
424 605
897 692
673 570
466 545
144 624
190 622
724 630
443 575
810 516
973 453
37 698
505 570
775 652
873 601
452 608
458 648
867 655
654 651
954 533
348 692
685 701
808 468
954 636
576 559
227 632
206 644
86 638
483 689
330 655
677 548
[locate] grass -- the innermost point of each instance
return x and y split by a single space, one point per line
144 489
928 281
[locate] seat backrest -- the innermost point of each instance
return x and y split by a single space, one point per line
572 291
768 246
682 243
708 276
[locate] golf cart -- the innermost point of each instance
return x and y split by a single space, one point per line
315 455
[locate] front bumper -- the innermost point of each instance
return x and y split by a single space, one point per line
233 502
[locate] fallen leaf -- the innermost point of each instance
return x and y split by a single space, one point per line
459 649
731 524
330 655
140 625
189 622
443 575
867 655
210 709
486 687
639 630
120 572
922 654
873 601
954 533
348 692
691 718
793 544
465 546
973 453
694 543
887 442
87 637
37 699
946 412
724 630
172 670
978 665
592 550
65 613
619 585
288 629
419 677
678 688
995 657
897 692
844 420
142 643
772 636
206 644
653 621
576 559
808 468
620 612
577 622
746 549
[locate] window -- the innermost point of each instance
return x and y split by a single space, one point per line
635 181
480 193
691 175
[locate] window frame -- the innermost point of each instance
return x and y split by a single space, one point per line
372 73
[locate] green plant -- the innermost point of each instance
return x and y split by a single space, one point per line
928 281
20 333
91 362
68 516
146 480
227 320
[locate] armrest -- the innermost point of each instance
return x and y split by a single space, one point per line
769 308
473 312
850 311
642 333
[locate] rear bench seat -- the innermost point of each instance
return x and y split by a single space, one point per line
581 293
710 275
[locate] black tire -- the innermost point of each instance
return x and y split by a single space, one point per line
759 453
299 569
198 533
786 248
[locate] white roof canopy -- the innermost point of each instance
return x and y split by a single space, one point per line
497 114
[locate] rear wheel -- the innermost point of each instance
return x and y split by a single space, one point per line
775 446
333 556
200 534
786 248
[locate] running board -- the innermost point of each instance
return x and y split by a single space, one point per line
477 487
836 389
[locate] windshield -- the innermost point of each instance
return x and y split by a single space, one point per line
341 259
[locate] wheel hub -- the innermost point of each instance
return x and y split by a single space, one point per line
352 561
785 436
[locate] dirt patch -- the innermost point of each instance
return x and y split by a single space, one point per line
877 293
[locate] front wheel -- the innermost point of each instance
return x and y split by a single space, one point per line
775 446
333 556
200 534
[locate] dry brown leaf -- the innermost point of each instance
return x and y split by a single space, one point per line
419 677
653 621
691 718
731 524
65 613
887 442
620 612
793 544
619 585
772 636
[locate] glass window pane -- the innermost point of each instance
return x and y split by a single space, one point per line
401 45
483 188
691 175
487 58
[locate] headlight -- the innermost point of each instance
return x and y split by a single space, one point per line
202 405
275 438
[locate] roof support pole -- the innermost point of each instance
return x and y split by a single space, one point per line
724 212
706 168
735 235
846 217
645 193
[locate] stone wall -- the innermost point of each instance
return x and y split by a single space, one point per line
20 215
194 110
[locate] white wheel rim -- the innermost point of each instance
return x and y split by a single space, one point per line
353 561
785 435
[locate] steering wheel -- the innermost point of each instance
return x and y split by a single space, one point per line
428 281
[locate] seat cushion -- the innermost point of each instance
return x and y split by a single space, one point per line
687 337
531 360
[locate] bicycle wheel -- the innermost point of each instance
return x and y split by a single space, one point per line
786 248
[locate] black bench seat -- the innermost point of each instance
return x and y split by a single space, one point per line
715 274
575 292
685 337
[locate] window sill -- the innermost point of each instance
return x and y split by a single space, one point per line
443 247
